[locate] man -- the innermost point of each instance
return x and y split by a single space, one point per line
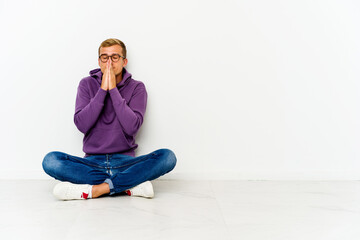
110 108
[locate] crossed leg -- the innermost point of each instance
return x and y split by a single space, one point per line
68 168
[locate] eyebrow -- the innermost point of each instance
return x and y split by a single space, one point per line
111 54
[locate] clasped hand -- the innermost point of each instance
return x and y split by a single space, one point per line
108 79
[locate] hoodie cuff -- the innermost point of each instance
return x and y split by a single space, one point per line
115 95
100 96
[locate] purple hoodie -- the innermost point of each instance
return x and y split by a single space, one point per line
110 119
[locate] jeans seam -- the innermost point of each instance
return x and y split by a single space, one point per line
140 160
86 163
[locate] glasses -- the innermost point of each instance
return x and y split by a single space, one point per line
115 57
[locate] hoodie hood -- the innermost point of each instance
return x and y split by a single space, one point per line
97 74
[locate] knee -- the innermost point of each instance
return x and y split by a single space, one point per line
169 158
51 162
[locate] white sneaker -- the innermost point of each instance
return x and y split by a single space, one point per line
144 189
70 191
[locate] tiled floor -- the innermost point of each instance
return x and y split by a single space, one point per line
266 210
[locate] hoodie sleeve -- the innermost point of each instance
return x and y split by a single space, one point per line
130 114
87 108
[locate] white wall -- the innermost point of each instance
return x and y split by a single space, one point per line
238 89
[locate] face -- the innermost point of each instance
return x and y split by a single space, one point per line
117 66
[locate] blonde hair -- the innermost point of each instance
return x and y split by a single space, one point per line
111 42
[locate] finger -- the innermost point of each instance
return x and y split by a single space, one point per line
109 69
108 63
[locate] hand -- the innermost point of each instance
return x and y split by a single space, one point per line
105 80
108 79
111 75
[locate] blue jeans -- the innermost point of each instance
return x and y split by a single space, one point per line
120 171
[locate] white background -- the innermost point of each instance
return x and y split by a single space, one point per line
237 89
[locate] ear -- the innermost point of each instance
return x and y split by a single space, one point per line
99 62
125 62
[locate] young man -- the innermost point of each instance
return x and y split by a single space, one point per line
110 108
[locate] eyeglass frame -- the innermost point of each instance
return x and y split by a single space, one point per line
116 54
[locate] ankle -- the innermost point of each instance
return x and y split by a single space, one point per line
101 189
